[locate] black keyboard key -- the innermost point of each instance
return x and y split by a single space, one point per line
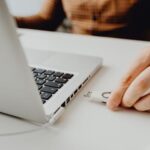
54 84
43 101
58 74
45 95
41 76
49 81
49 72
35 74
39 71
40 82
39 87
32 68
51 78
61 80
49 90
67 76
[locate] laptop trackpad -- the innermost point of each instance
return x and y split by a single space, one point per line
35 57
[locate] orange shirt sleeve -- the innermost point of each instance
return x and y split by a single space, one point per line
49 17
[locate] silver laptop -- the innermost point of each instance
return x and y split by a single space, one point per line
39 89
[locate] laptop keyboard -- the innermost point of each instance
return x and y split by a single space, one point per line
49 82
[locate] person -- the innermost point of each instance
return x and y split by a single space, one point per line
115 18
134 84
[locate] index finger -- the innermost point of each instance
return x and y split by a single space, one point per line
142 62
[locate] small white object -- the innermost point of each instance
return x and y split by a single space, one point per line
98 96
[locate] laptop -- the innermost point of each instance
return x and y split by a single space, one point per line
38 90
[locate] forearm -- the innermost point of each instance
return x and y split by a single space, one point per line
35 22
49 17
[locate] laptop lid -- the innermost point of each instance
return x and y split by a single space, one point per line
18 92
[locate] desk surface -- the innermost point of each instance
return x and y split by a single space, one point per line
84 125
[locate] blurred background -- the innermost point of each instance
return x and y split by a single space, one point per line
139 18
24 7
31 7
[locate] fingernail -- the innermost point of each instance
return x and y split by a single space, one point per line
126 103
111 105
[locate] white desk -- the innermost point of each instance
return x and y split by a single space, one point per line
84 125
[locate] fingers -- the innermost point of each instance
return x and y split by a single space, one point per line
143 104
115 98
137 88
142 62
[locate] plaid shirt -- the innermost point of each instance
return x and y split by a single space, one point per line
98 15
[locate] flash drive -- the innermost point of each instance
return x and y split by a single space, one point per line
98 96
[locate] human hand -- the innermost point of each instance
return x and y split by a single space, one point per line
133 86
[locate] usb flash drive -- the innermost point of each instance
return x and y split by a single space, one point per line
98 96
